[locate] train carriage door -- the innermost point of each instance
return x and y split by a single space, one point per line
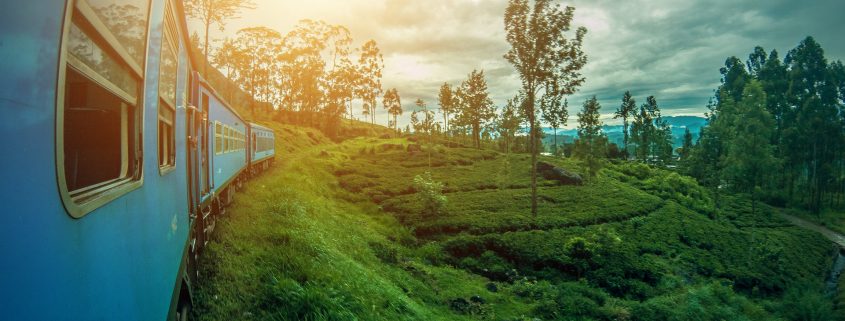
204 174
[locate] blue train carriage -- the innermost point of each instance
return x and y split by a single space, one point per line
227 141
262 149
93 98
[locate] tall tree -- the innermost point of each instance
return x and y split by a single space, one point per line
447 103
643 131
547 60
426 123
254 63
686 147
393 104
475 108
591 146
662 143
749 153
211 12
813 92
508 123
625 111
556 115
371 63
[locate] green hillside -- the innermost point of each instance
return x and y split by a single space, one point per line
336 231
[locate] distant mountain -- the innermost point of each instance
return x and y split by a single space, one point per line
678 124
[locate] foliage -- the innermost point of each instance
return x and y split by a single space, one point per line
591 145
555 114
507 124
426 124
211 12
371 64
625 111
777 126
473 105
335 230
547 61
446 99
430 195
393 104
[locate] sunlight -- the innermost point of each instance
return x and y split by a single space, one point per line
408 66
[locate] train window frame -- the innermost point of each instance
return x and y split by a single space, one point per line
166 119
218 138
80 17
225 138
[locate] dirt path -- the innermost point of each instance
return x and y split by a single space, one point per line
837 238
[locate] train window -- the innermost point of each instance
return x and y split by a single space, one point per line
225 139
218 138
229 140
125 19
99 115
167 91
166 137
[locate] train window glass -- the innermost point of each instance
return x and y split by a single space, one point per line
166 136
126 20
99 136
90 58
218 138
232 140
168 70
226 139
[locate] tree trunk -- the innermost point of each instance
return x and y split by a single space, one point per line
625 136
533 146
476 135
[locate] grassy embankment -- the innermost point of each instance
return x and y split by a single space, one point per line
333 232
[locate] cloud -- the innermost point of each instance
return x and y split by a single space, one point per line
666 48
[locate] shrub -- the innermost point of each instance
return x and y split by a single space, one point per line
430 194
804 303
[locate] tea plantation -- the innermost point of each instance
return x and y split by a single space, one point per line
337 231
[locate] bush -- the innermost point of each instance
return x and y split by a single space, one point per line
804 303
430 195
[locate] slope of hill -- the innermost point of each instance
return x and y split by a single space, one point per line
335 232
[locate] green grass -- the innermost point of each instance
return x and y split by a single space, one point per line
334 232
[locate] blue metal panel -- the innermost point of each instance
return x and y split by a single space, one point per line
258 156
224 166
120 261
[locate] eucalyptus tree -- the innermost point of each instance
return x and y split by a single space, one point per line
591 145
547 60
475 108
508 122
393 104
556 115
750 158
254 62
371 64
626 111
217 12
447 103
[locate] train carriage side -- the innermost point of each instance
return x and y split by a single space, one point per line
227 138
262 147
95 111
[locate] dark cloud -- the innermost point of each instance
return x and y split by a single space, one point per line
666 48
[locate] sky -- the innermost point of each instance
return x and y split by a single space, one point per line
666 48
